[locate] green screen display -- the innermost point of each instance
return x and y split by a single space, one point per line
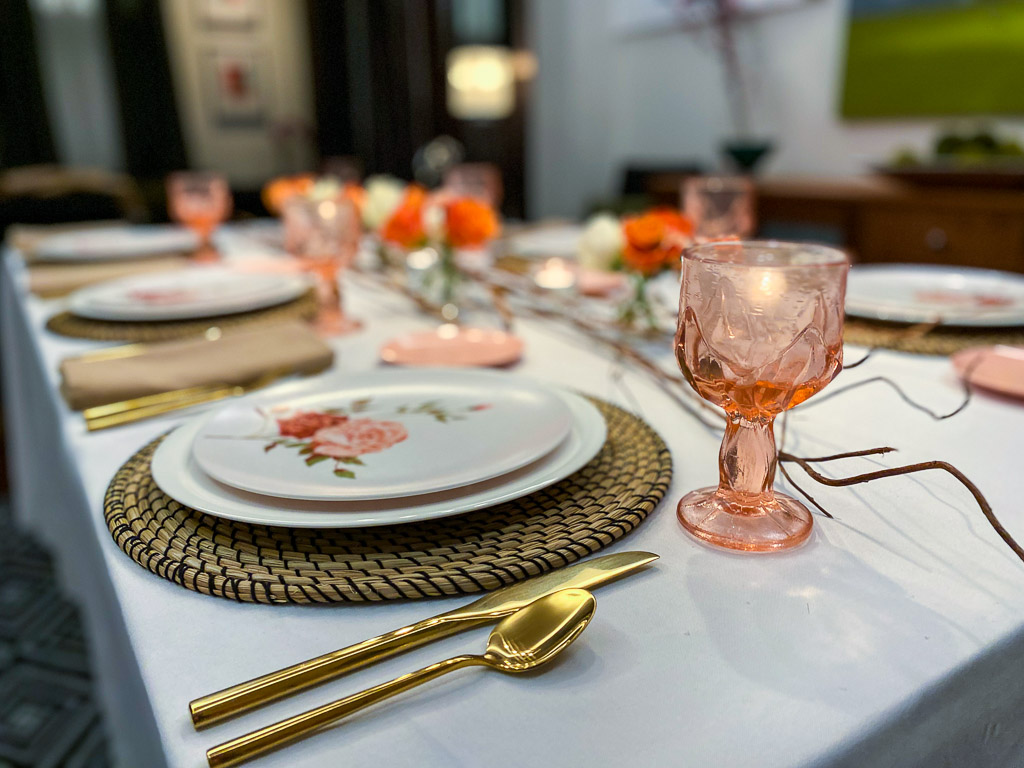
934 57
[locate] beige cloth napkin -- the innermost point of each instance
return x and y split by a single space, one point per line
237 357
51 280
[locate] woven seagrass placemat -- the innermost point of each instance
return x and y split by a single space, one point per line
468 553
944 340
67 324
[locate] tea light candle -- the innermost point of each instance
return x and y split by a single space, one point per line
555 275
417 265
767 287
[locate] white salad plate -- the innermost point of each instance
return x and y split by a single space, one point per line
382 434
190 293
181 478
116 242
918 293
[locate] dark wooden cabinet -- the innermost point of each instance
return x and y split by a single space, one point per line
883 221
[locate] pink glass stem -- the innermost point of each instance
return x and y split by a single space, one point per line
747 461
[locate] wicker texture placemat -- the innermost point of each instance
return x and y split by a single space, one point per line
468 553
67 324
944 340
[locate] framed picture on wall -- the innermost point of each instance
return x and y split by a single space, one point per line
228 14
236 86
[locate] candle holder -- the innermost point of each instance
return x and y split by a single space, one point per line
760 331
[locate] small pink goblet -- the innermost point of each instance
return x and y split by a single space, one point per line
323 234
201 201
760 331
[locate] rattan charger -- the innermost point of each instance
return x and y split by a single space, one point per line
458 555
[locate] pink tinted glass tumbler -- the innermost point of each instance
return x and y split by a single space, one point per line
760 331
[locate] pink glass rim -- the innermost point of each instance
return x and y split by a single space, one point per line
716 184
813 255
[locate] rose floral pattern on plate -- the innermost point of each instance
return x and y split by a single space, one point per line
407 432
339 434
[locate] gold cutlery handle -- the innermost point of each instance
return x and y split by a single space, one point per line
279 734
211 709
146 401
158 408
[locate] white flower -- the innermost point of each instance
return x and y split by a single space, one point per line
601 242
383 196
434 220
326 188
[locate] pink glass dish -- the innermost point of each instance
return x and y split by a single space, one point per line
760 331
998 369
451 345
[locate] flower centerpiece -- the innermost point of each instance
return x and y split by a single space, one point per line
443 222
641 245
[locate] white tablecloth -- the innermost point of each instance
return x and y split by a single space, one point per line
894 638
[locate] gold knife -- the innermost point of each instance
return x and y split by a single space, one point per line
212 709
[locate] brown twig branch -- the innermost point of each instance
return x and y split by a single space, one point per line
924 466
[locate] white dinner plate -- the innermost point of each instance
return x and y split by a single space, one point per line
382 434
915 293
112 243
189 293
178 475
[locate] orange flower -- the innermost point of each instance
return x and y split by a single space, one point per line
405 227
277 191
470 223
654 240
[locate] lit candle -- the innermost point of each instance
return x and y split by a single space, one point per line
555 275
767 287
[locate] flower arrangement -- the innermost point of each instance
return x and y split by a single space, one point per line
642 245
442 221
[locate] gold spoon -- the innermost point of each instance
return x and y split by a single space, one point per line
525 640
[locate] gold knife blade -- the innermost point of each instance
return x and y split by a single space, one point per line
229 702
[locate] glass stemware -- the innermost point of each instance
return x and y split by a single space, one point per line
760 331
323 234
720 206
201 201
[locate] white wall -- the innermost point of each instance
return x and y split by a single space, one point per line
602 99
247 155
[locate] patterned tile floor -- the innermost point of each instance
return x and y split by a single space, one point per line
47 715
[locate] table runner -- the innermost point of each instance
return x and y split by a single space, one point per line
945 340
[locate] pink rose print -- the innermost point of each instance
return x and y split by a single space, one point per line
356 437
339 436
307 423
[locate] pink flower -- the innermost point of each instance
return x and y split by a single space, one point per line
356 437
306 423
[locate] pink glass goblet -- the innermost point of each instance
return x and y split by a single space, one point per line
720 206
760 331
324 236
200 201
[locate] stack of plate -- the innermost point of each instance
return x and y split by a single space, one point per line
380 448
195 292
114 243
922 293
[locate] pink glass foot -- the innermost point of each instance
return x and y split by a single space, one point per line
775 522
335 324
